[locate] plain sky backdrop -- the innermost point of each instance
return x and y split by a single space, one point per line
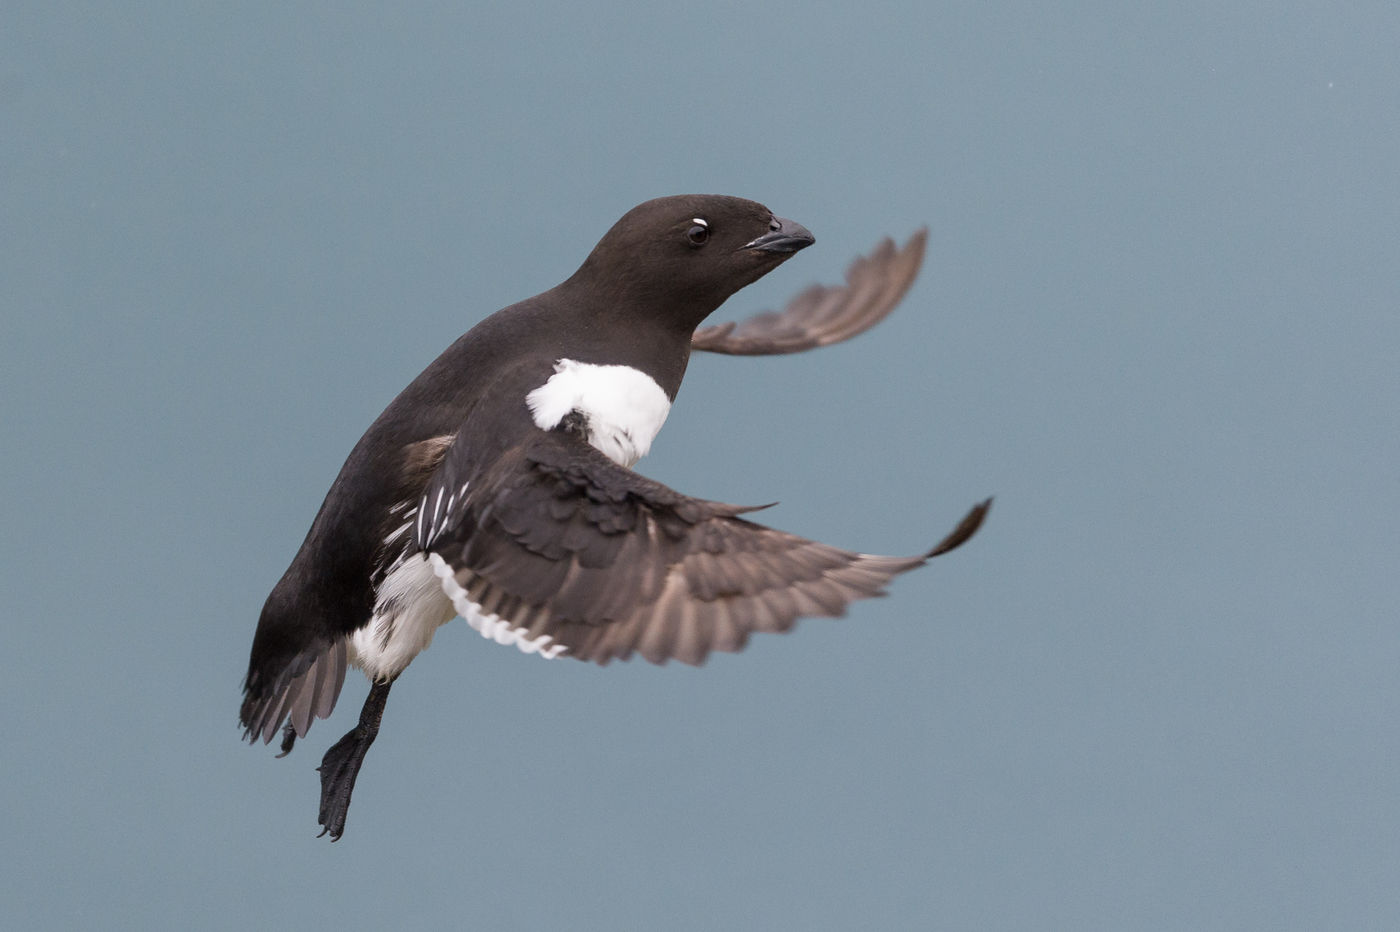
1159 320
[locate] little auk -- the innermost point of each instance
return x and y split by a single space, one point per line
498 485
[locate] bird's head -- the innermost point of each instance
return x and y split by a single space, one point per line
683 256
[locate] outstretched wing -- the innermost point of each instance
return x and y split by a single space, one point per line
825 314
559 550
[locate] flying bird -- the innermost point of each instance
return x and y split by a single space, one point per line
498 485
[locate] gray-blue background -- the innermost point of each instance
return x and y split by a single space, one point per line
1159 320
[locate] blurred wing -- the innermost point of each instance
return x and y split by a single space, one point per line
559 550
825 314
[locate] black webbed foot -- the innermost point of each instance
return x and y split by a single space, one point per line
341 765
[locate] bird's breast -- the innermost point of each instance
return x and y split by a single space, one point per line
619 409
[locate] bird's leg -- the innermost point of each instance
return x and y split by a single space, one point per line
341 765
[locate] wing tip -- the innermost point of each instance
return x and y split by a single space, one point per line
964 531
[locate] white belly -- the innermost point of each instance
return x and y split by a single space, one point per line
409 607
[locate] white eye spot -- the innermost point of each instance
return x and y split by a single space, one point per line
700 220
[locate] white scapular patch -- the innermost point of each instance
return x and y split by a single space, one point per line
623 407
439 514
399 532
409 607
494 627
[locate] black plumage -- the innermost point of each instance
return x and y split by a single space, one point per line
531 530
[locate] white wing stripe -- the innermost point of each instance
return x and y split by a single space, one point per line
491 626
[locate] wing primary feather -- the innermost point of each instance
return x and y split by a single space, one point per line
560 542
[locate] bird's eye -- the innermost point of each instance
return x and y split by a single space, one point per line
698 234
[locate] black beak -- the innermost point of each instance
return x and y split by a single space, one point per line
783 236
